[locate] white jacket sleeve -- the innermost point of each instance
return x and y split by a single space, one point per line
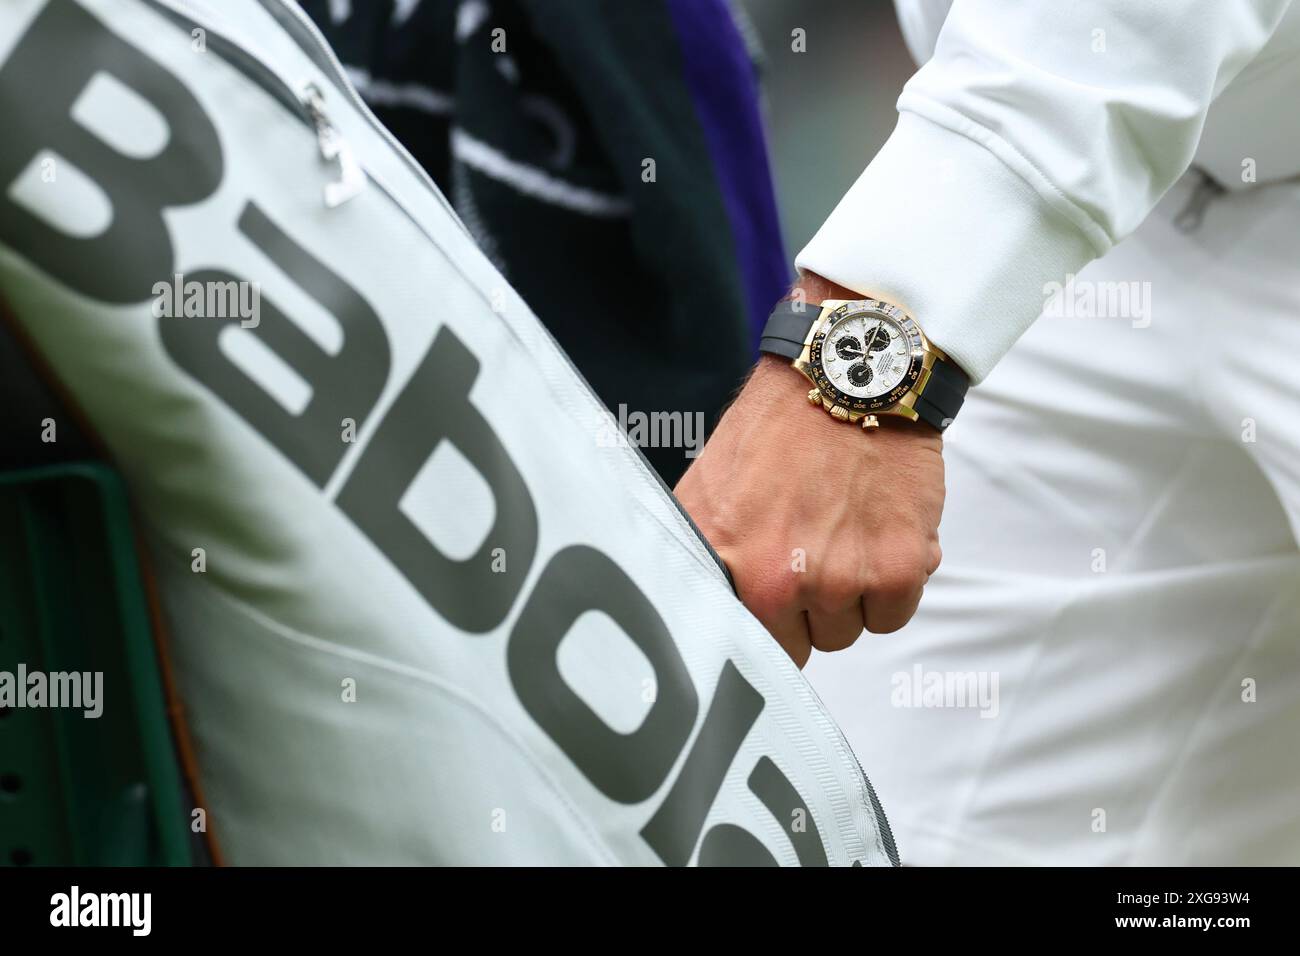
1039 134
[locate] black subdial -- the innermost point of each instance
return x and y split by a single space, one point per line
879 339
860 374
848 347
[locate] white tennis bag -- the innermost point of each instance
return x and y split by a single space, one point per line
422 609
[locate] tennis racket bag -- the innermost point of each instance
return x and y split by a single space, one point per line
422 607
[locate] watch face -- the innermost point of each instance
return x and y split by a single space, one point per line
868 353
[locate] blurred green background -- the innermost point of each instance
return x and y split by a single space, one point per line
830 108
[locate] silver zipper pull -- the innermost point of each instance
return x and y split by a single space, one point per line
1206 191
333 148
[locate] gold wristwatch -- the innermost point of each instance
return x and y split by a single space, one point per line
866 357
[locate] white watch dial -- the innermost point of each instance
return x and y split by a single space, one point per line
865 355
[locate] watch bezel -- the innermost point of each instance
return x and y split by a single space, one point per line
878 309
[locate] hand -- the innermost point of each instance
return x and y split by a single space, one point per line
780 478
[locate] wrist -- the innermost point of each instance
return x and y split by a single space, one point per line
815 289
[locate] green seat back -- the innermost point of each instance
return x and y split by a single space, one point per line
76 790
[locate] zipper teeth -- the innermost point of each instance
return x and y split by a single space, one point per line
244 59
877 808
882 821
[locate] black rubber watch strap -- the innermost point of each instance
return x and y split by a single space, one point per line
943 394
937 405
787 327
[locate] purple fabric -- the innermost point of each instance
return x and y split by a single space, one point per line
721 80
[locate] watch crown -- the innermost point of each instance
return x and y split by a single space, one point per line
815 396
842 414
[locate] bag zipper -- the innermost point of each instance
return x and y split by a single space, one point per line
330 64
333 148
304 99
882 821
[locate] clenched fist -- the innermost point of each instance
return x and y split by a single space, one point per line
827 528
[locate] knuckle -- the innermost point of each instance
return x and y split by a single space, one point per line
834 592
936 557
897 580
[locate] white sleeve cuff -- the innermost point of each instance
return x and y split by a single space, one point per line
941 226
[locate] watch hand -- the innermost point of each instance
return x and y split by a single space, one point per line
867 343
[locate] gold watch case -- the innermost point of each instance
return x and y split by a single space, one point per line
922 354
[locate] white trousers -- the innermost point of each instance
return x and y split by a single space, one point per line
1106 668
